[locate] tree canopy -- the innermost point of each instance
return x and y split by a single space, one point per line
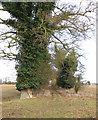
33 26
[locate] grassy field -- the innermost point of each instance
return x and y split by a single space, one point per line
80 106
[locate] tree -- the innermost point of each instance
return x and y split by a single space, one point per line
32 41
32 27
88 83
66 77
78 83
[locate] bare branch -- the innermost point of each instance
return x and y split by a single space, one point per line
60 42
3 9
8 33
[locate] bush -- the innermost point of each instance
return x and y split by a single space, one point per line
78 83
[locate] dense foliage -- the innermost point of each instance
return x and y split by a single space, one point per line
66 77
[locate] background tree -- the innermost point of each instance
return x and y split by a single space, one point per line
88 83
33 26
66 77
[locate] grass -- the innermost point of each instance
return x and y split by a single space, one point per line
9 92
49 107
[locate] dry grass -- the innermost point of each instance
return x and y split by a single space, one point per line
89 91
9 92
49 107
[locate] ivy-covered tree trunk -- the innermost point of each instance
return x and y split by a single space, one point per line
32 42
33 52
28 61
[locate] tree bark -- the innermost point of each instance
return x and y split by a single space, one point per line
29 91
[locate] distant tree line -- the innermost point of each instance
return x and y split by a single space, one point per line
8 82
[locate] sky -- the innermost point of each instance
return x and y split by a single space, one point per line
89 48
7 68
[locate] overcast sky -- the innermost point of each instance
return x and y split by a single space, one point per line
7 68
